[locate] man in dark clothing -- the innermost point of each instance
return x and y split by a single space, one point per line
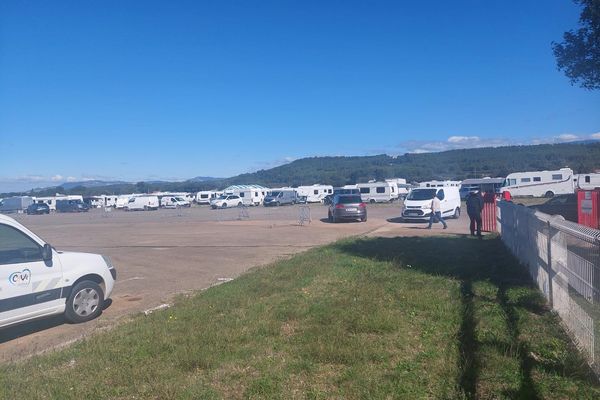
474 207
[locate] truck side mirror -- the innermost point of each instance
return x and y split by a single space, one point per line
47 252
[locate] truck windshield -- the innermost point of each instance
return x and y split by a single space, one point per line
275 194
421 194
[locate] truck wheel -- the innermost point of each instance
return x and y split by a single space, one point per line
549 194
85 302
456 213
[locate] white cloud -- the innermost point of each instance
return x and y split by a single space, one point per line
463 139
595 136
57 178
567 137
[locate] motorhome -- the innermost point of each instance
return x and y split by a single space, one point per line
487 185
122 200
142 202
279 197
251 195
539 183
378 192
314 193
434 183
587 181
417 205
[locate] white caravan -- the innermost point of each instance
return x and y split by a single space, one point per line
401 187
417 205
204 197
314 193
251 195
539 183
587 181
378 192
51 200
142 202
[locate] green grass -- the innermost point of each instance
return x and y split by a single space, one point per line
406 318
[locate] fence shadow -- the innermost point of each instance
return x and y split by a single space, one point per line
467 260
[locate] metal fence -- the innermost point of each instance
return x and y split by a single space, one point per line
564 260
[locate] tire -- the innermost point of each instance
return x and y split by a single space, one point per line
329 217
240 204
456 213
372 201
363 219
277 204
224 205
85 302
145 208
549 194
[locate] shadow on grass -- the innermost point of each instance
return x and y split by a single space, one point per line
467 260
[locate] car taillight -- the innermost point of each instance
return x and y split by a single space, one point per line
340 206
362 205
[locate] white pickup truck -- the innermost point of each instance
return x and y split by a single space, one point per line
37 281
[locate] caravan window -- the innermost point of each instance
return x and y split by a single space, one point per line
587 179
242 194
557 177
380 189
365 190
537 179
525 180
316 192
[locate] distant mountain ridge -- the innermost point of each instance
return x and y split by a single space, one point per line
337 171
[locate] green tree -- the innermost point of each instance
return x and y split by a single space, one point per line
578 56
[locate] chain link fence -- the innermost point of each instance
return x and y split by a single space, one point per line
564 260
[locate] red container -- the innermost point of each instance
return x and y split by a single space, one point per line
488 214
588 208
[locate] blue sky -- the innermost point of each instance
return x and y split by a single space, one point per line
146 90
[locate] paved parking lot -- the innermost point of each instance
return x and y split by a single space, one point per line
163 253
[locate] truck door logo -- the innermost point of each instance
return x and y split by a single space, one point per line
20 278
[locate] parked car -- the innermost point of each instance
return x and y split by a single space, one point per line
226 200
38 281
347 207
38 208
280 197
71 206
565 205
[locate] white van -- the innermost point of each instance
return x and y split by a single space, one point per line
38 281
145 203
173 202
417 205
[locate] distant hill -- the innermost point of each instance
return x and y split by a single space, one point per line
90 184
204 179
337 171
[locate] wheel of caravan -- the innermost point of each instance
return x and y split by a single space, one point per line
372 201
85 302
549 194
145 208
456 213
